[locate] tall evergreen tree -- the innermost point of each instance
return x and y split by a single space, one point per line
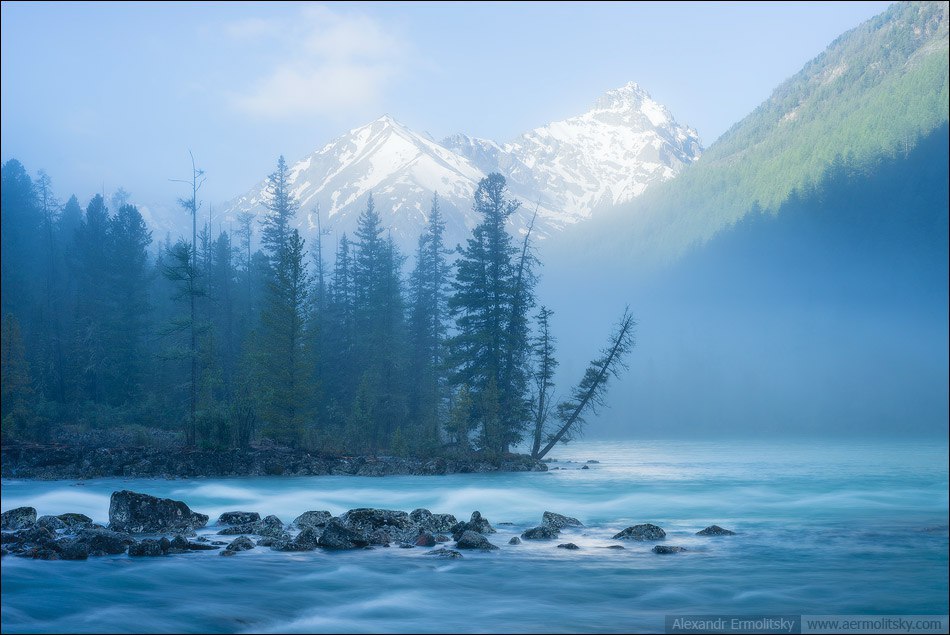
429 285
127 306
487 354
92 305
283 371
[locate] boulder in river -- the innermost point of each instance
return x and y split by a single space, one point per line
50 522
149 548
18 518
141 513
424 539
75 551
434 523
101 542
74 521
715 530
476 523
515 540
312 519
442 552
270 526
395 524
641 532
473 540
664 549
337 536
241 543
559 521
238 518
568 545
542 532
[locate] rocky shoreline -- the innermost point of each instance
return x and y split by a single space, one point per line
142 525
57 462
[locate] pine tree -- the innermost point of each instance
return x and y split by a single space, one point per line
489 351
379 322
429 285
127 306
92 306
283 371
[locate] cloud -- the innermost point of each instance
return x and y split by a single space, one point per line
328 63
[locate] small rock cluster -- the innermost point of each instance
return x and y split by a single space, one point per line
139 525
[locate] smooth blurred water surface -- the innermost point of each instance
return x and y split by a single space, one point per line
826 527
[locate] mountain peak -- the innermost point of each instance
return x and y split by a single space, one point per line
630 95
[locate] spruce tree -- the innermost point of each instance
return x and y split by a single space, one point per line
489 351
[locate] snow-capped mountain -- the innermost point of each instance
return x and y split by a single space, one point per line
567 169
608 155
401 168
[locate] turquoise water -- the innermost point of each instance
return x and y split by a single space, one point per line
824 528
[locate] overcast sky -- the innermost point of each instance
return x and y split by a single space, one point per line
111 94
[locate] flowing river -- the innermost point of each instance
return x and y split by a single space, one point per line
825 527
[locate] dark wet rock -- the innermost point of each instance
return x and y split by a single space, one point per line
337 536
380 537
473 540
32 541
74 520
559 521
312 519
50 522
715 530
430 522
75 551
381 525
270 526
237 530
102 542
425 540
586 467
238 518
641 532
140 513
18 518
615 547
270 542
444 553
593 461
182 544
218 543
147 548
477 524
664 549
307 540
179 542
542 532
40 553
515 540
406 545
241 543
442 538
568 545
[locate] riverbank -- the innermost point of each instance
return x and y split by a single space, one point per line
61 462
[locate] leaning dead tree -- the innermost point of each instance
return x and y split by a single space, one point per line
589 394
